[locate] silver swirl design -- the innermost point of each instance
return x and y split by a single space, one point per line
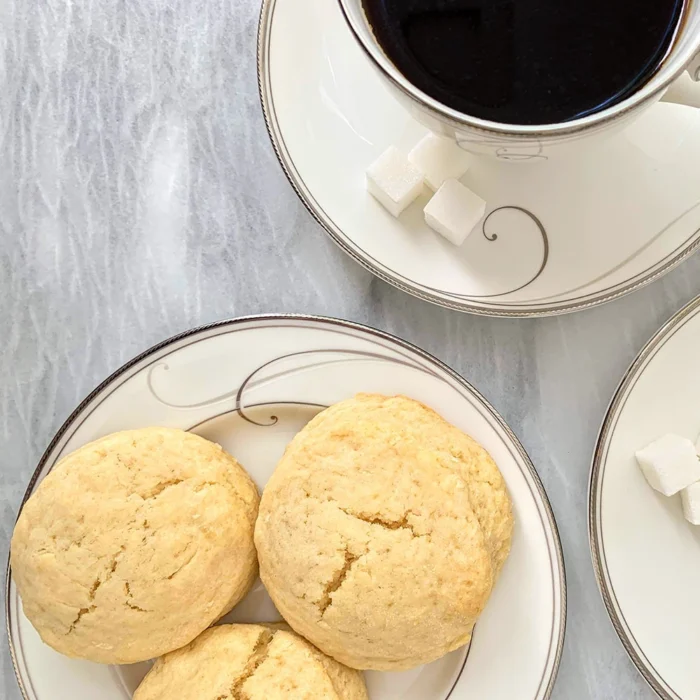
505 153
492 237
503 149
255 380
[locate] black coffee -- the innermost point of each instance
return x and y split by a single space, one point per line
526 61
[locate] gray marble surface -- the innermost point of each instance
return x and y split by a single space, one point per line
139 196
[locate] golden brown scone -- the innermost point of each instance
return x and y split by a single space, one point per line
250 662
381 533
134 544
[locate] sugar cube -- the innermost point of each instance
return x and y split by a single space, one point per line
670 464
393 181
691 503
440 159
454 211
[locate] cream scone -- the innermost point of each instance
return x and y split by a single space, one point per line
134 544
381 533
251 662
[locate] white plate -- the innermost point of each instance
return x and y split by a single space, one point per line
250 385
558 235
646 556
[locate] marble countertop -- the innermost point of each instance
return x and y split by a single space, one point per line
140 196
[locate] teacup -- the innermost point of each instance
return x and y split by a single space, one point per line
515 142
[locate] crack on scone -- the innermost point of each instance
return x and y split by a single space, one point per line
93 590
113 566
183 565
402 524
203 485
255 660
148 531
81 613
92 593
128 603
337 581
159 488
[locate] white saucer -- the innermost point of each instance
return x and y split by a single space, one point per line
251 385
558 235
646 555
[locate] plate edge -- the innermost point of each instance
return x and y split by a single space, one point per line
655 342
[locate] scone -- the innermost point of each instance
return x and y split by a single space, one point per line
134 544
250 662
381 533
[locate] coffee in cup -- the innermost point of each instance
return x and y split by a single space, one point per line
526 61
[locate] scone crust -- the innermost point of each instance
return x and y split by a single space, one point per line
381 533
134 544
251 662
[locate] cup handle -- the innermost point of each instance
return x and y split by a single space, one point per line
686 90
694 69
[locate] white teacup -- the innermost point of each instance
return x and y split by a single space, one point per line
516 142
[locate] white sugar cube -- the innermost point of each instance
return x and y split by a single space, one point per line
670 464
691 503
440 159
454 211
393 181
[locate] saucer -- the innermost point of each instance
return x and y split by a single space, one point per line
250 385
559 235
645 553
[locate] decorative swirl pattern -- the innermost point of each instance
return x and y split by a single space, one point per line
257 379
494 237
504 149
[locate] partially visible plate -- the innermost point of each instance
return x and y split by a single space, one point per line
251 384
646 555
559 235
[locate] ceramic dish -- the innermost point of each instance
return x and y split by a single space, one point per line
558 235
250 385
644 552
